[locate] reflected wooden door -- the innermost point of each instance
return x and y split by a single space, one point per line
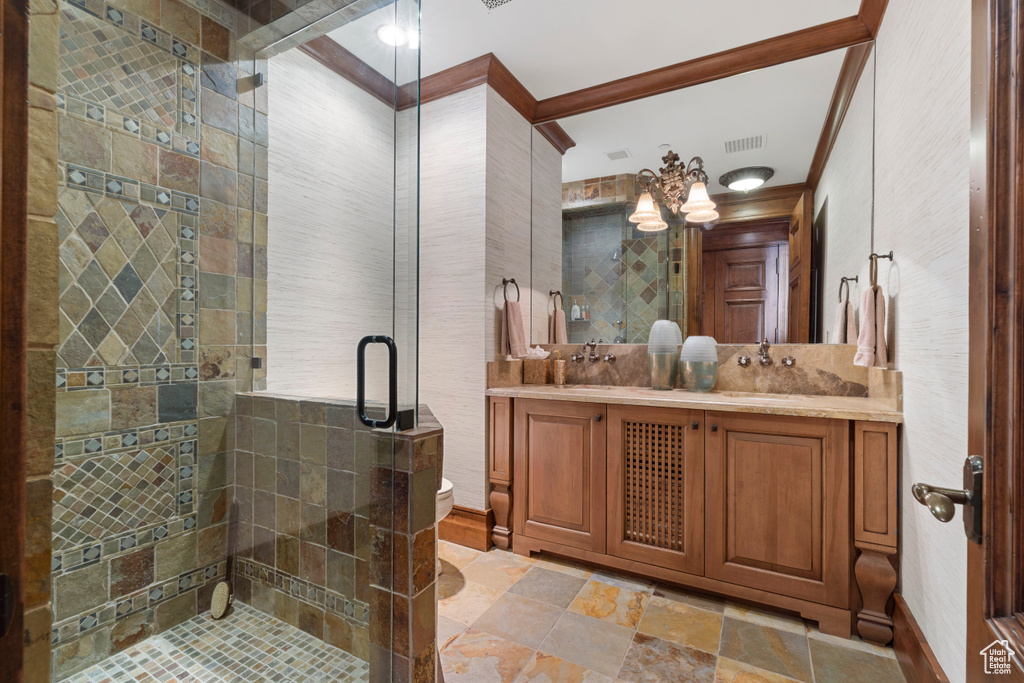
744 296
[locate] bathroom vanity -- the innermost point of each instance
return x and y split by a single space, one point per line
783 500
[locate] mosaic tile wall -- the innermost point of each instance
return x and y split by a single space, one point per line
619 272
333 534
161 218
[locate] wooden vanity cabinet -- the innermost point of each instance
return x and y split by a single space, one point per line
656 486
798 513
778 504
560 473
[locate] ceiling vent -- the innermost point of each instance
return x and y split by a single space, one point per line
744 144
491 4
618 154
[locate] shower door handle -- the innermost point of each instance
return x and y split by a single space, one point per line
392 381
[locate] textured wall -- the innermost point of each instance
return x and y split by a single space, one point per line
331 237
921 212
476 185
546 254
452 254
846 185
162 201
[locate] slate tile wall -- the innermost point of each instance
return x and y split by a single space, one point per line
160 230
333 528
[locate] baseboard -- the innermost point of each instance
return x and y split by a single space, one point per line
468 527
912 650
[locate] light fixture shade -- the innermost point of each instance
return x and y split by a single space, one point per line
652 226
699 217
747 178
698 199
390 34
646 210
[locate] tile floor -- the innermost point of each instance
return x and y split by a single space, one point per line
508 619
246 645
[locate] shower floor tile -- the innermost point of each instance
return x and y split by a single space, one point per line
246 645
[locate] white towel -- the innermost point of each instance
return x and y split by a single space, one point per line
556 328
871 348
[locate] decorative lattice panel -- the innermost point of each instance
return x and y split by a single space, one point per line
654 461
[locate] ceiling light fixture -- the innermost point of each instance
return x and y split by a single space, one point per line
683 189
745 179
390 34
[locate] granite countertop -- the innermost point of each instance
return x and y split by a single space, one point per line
836 407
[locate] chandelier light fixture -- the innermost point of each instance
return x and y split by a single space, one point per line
683 189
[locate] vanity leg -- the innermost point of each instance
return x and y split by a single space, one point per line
876 579
501 503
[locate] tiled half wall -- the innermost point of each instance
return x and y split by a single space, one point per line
333 528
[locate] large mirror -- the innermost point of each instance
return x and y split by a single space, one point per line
771 265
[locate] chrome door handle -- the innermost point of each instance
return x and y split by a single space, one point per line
942 501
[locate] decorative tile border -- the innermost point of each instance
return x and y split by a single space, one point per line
106 443
91 180
305 591
79 625
83 556
75 379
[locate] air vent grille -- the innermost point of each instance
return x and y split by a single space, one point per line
618 154
744 144
491 4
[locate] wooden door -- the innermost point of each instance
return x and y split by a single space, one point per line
995 567
777 500
560 467
744 294
656 486
800 243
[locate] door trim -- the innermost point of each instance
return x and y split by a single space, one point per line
995 595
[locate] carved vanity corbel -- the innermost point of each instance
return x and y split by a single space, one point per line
791 504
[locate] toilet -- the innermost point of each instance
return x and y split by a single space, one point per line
445 502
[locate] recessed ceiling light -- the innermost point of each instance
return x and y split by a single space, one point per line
744 179
391 34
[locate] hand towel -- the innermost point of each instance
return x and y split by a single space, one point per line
871 349
556 328
851 325
839 326
513 336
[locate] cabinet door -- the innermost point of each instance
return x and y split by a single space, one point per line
656 486
778 504
560 472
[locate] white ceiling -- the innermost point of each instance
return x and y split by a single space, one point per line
557 46
786 104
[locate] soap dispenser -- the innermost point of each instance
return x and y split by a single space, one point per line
574 312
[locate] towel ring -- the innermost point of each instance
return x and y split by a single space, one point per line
846 281
560 304
505 282
874 266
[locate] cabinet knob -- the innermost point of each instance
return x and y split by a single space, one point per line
695 425
714 428
597 418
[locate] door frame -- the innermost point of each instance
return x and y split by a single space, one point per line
13 331
995 595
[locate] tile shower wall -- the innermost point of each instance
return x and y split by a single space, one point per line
619 272
330 532
162 230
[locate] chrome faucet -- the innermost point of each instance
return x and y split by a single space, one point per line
762 352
